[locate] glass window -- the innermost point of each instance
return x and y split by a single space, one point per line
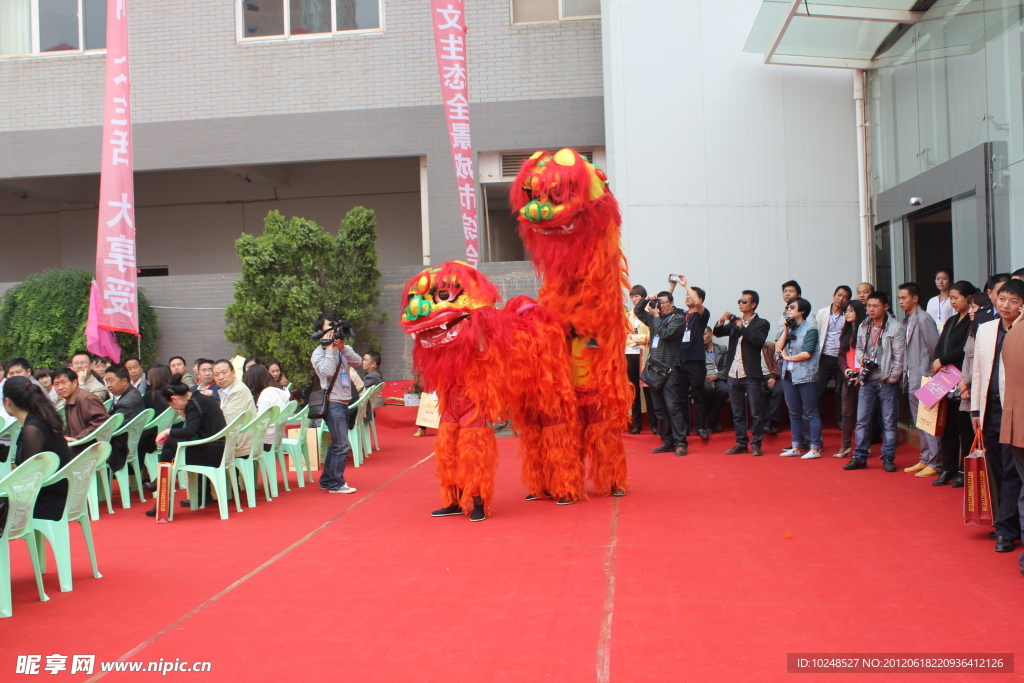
358 15
533 11
286 18
58 25
15 27
94 24
574 9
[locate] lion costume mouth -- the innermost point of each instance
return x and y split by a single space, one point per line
441 328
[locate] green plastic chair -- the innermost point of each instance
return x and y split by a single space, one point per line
21 488
280 425
372 423
101 433
78 473
358 433
297 449
218 476
164 420
11 429
62 411
109 402
257 428
133 429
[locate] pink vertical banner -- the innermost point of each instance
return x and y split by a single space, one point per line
115 237
450 46
98 341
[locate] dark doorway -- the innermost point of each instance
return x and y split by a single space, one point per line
930 247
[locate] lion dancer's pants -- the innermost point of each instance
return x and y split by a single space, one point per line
550 452
602 435
467 455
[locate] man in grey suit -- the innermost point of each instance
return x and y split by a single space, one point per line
922 337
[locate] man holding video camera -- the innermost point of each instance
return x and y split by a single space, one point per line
881 349
331 362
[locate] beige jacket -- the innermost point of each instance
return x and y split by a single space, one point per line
233 401
642 336
984 355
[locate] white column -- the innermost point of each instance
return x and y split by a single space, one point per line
424 211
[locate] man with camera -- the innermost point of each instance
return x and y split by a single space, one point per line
667 328
331 362
881 349
747 333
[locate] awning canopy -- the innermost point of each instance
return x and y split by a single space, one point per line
844 34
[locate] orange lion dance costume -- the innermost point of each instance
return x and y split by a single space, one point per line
460 349
569 221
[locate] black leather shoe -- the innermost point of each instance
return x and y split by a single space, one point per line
888 465
958 480
663 448
716 426
149 486
634 430
855 464
151 513
943 479
1004 544
992 535
771 429
736 450
185 503
704 434
757 450
682 450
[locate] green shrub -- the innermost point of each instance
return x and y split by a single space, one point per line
290 275
43 319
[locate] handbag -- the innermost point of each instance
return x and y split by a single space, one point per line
977 485
318 399
655 373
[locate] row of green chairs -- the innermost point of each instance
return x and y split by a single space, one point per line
19 490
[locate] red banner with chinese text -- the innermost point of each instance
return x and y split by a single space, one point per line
115 238
450 46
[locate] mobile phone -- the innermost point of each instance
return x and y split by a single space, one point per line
673 278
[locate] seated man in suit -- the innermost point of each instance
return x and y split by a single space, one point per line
128 402
235 398
716 382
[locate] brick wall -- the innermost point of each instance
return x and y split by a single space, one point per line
192 67
191 311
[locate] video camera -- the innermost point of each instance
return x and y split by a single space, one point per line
341 328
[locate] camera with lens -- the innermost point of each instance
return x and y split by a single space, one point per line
791 323
733 318
341 328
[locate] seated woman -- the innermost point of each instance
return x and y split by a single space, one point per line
274 368
41 431
203 419
158 377
261 384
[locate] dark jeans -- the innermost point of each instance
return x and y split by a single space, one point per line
1007 477
874 393
773 402
1017 455
956 439
333 476
690 376
633 372
850 395
741 393
668 409
716 395
828 369
802 400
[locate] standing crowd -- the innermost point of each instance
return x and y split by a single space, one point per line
857 345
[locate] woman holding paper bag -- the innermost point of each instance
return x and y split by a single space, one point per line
957 438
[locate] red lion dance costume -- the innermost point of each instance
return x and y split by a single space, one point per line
569 222
484 363
460 350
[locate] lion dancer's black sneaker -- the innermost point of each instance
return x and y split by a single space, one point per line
452 509
477 515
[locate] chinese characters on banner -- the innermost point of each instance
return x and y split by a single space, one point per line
115 239
450 46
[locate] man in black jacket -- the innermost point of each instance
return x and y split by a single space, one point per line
666 332
127 401
747 333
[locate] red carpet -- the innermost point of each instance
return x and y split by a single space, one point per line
711 569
